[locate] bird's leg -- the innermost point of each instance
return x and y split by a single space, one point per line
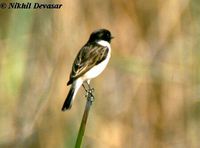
84 87
90 92
86 90
90 89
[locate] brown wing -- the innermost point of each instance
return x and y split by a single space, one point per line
90 55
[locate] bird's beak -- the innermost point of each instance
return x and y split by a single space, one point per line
112 37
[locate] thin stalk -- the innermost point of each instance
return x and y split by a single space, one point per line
90 99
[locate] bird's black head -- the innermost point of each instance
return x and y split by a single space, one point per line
101 34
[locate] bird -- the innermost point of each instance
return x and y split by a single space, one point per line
90 62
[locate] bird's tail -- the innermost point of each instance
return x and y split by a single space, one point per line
68 101
71 95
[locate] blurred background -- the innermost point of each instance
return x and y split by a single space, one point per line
148 97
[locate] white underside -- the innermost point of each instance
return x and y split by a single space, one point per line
97 70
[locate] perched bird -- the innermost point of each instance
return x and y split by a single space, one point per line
90 61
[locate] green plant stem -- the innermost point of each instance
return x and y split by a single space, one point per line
81 132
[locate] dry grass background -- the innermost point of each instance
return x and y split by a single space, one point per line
147 97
